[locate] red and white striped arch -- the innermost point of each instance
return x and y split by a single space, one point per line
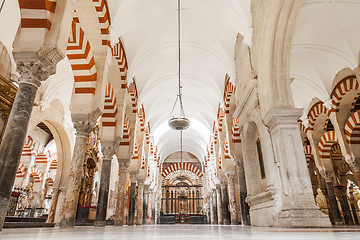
136 149
308 154
228 91
132 90
147 133
37 15
340 89
42 158
227 154
343 169
220 117
315 111
82 60
21 170
118 51
50 178
352 128
110 109
141 116
28 152
126 131
36 173
235 131
216 133
326 142
182 166
102 11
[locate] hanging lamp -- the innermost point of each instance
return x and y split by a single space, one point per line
180 122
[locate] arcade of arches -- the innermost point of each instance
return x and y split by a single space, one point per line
271 89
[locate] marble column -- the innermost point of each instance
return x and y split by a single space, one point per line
208 207
121 197
153 208
108 151
145 204
149 207
341 194
16 129
139 202
215 208
54 201
232 198
219 204
225 203
352 203
334 209
132 199
244 207
83 128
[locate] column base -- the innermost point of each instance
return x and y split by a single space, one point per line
100 224
118 223
303 217
4 204
67 223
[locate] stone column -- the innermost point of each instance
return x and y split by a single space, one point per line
121 201
158 205
52 210
334 209
219 204
341 193
145 204
352 203
215 208
232 198
149 207
153 208
244 207
32 74
131 220
83 128
107 148
139 202
225 203
208 206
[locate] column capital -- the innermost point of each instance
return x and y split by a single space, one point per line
108 150
140 182
327 175
230 176
218 187
35 67
282 116
133 177
123 164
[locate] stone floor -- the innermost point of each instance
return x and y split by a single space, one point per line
177 232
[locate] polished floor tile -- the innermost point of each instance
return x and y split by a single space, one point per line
177 232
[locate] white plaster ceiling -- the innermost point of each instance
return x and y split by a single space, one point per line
326 40
209 29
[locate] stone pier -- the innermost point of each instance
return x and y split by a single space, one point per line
108 153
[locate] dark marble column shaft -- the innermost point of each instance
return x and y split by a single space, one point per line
83 128
225 203
132 200
215 210
108 153
244 207
145 204
341 194
16 130
333 202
